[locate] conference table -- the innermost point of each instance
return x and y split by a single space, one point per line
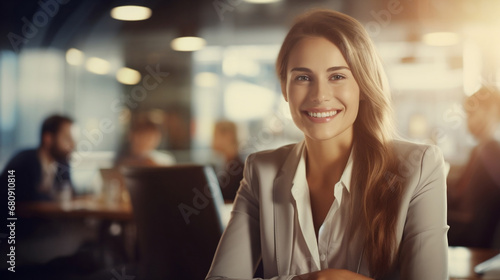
81 207
91 207
461 259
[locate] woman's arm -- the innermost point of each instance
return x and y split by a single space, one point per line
239 250
424 248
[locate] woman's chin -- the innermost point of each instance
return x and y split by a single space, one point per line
321 136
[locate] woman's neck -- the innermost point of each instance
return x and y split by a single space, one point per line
327 159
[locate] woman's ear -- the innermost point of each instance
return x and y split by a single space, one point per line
283 90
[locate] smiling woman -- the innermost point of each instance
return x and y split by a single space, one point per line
321 89
350 201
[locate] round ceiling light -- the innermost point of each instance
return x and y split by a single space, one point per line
128 76
131 13
188 44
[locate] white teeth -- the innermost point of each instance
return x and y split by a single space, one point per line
322 114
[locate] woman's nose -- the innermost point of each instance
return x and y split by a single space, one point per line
320 92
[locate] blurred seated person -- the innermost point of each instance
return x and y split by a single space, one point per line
139 150
41 172
474 200
225 142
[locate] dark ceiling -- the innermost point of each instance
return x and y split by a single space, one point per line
74 20
79 22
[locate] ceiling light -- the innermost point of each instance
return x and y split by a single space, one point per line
131 13
262 1
441 39
97 65
188 44
128 76
74 56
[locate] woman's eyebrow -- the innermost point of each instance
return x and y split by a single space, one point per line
304 69
335 68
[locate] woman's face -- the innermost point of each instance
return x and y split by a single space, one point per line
321 91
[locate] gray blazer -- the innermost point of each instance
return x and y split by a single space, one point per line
263 215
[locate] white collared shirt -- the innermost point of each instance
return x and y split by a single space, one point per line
330 249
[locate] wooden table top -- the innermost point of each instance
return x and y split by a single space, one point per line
84 207
462 261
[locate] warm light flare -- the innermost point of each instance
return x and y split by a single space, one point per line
128 76
188 44
74 56
131 13
98 66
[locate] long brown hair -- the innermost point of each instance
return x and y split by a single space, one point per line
377 185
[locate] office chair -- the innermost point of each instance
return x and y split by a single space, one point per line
177 213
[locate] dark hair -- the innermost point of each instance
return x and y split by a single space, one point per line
143 126
52 125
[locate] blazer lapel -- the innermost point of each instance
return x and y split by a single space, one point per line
283 209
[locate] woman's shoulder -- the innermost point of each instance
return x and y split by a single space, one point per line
405 149
279 152
418 162
276 157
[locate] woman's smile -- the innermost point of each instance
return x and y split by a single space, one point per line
321 115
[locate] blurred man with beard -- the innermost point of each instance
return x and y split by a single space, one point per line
46 247
42 172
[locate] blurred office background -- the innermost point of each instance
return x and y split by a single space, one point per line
106 68
75 58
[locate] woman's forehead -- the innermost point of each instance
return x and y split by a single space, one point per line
317 52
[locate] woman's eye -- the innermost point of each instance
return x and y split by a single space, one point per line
337 77
302 78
